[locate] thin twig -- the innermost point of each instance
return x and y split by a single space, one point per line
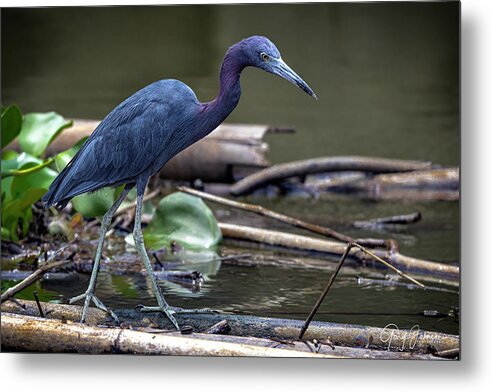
401 273
260 210
325 291
41 313
36 274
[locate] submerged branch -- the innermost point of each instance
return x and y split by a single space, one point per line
49 265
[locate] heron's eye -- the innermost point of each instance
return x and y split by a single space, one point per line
265 57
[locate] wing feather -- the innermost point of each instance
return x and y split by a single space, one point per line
133 138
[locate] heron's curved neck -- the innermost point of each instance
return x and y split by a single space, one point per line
229 89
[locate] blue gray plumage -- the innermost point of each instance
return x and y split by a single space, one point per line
142 133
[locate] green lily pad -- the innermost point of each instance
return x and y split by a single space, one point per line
14 161
11 123
39 130
96 203
185 219
40 179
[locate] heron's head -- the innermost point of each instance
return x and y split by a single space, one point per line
261 53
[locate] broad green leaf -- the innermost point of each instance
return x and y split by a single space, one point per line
39 130
40 179
14 210
94 204
21 160
11 123
13 161
9 154
185 219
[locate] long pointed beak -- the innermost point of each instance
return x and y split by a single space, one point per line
281 69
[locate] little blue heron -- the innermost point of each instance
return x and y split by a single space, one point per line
141 134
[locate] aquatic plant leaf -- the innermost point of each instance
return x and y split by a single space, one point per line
14 210
94 204
11 123
14 161
184 219
39 130
39 179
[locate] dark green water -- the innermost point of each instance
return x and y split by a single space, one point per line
387 78
387 75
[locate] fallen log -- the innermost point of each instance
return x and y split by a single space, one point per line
229 148
388 220
322 165
347 335
27 333
433 184
295 241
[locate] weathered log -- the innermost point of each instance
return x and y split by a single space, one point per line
348 335
389 220
27 333
288 240
322 165
434 184
75 337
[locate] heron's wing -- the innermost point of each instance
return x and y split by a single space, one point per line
128 142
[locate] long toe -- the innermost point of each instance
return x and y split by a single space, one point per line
194 311
167 310
101 306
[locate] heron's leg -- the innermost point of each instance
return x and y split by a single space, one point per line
163 307
139 245
89 294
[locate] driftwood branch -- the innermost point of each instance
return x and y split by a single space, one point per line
388 339
428 184
389 220
26 333
322 165
295 241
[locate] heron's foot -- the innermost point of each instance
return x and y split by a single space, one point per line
170 311
90 296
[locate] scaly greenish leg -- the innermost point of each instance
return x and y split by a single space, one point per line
89 294
163 307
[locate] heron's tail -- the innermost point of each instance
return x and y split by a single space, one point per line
56 195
